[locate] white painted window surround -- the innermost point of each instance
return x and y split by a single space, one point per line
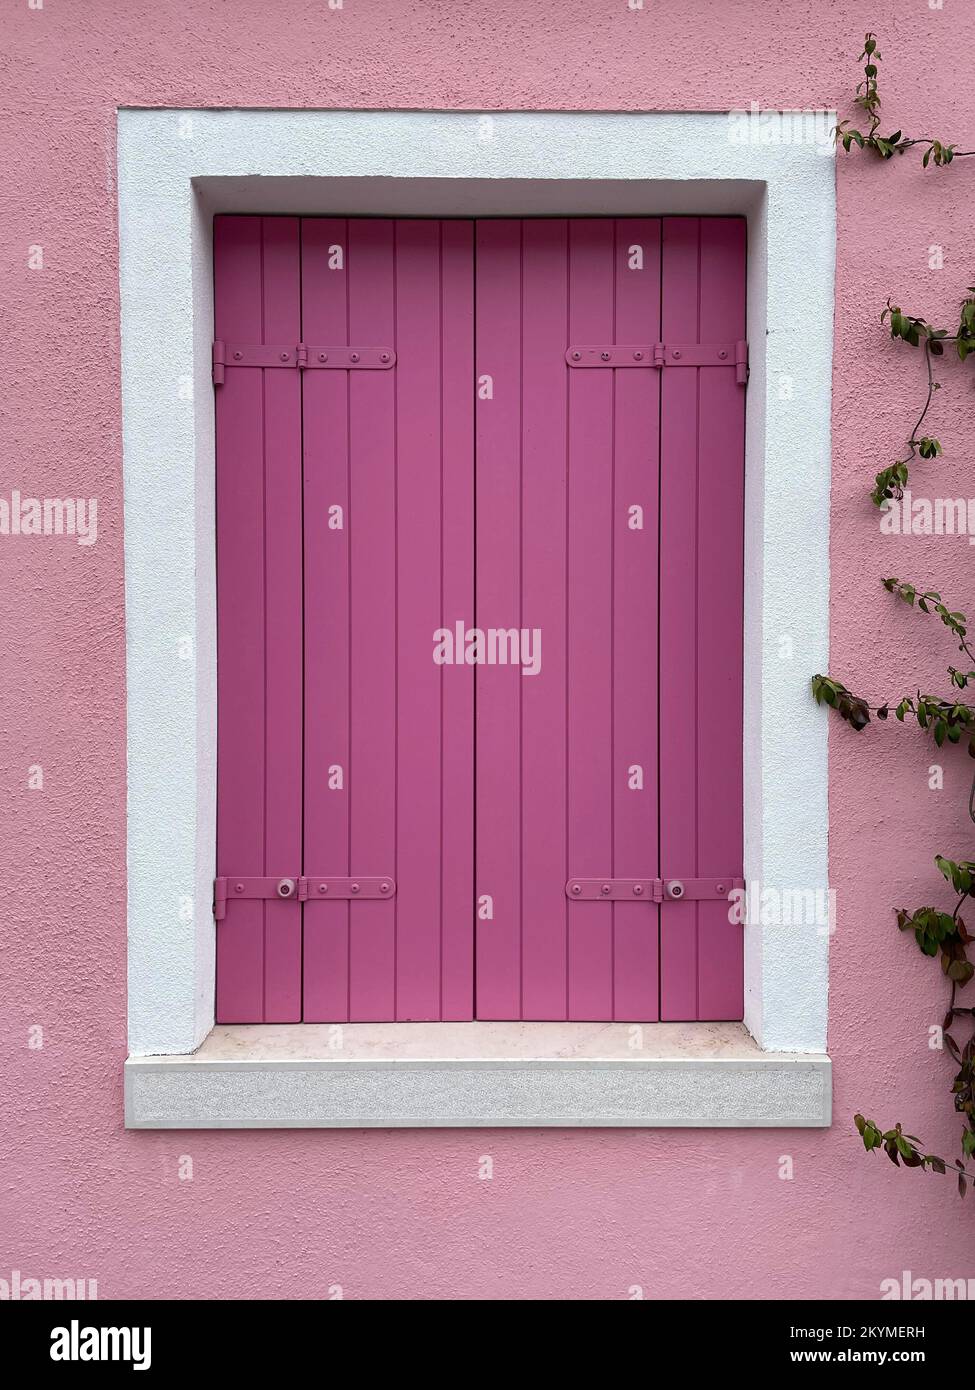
176 169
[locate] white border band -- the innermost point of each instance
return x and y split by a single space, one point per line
176 168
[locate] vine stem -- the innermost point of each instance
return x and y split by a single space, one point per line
912 442
927 140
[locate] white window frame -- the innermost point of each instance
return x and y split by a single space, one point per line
176 169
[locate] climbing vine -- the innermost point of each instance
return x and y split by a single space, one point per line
940 934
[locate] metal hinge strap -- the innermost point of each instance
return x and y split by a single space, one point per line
303 356
300 889
650 890
660 355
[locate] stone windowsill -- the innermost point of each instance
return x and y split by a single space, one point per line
478 1075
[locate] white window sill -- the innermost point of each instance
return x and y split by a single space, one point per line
478 1075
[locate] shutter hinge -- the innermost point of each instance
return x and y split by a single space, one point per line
301 889
741 362
660 355
650 890
300 356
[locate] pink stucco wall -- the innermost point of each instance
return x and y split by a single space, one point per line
402 1214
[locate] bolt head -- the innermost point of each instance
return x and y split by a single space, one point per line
577 357
723 353
677 353
323 888
323 357
638 888
604 356
577 888
238 888
355 888
605 888
238 356
637 356
285 356
353 357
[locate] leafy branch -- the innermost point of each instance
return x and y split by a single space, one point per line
904 1148
943 717
917 332
936 932
938 152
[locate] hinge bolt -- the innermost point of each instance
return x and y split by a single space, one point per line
638 357
605 356
638 888
284 356
577 888
605 888
238 356
384 357
723 353
720 887
577 357
323 357
677 352
238 888
323 888
354 888
384 888
353 357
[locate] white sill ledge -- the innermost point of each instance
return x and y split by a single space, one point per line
478 1075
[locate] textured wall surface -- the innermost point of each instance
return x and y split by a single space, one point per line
402 1214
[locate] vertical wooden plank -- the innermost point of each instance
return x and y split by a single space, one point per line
679 461
720 615
326 636
635 609
373 484
457 602
590 620
282 619
239 405
702 456
498 369
259 619
419 471
543 540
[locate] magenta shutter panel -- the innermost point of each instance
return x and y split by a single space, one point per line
701 576
394 450
258 446
562 456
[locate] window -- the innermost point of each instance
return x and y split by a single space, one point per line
479 577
